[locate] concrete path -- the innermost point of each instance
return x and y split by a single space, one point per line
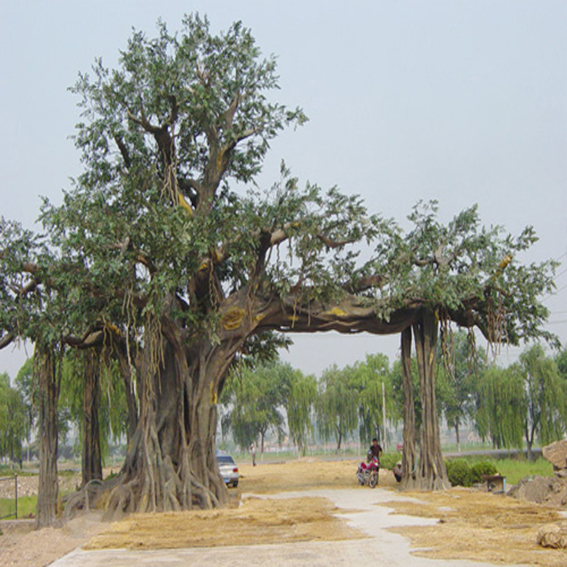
381 548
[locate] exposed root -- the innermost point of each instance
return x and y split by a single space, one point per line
423 484
168 492
121 501
86 498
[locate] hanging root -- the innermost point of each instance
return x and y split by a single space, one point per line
165 492
203 498
87 498
121 501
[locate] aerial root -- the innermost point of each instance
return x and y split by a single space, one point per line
121 501
86 498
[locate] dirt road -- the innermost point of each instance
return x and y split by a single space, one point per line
362 510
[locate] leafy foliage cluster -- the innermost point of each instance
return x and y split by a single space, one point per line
452 267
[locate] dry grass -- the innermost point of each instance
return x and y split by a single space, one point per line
248 520
480 526
256 521
472 525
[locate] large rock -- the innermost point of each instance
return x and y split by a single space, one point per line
551 491
553 535
534 489
556 454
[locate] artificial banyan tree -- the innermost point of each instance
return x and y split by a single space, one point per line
168 258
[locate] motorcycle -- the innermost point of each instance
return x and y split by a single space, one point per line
367 473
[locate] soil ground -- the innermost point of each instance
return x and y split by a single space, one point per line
316 506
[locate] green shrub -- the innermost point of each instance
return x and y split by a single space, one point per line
388 460
459 472
481 468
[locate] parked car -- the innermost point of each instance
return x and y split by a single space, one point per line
228 470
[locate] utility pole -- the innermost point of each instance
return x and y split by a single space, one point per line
384 416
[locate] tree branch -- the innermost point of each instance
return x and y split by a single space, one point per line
123 150
143 122
6 339
350 315
174 114
89 339
365 283
231 110
330 243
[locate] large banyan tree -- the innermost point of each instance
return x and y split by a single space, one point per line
170 256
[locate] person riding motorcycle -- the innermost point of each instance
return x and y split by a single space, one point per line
375 450
367 473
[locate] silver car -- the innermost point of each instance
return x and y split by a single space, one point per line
228 470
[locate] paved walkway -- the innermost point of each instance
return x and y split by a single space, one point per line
381 548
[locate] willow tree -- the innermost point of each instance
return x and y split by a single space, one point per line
545 392
373 380
299 406
526 400
256 398
337 404
12 421
501 409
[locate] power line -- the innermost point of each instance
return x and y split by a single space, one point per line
553 294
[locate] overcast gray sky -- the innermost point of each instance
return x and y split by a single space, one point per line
463 102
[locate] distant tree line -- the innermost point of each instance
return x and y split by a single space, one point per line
19 432
511 407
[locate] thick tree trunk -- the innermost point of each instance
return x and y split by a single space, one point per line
431 471
457 435
171 463
48 397
91 457
409 455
